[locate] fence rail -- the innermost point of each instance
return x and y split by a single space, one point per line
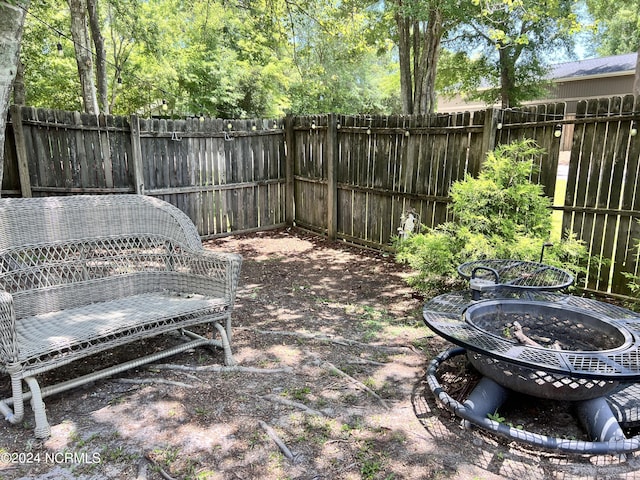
349 177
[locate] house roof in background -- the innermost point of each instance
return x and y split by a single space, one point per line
595 67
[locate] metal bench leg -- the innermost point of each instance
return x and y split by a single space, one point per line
213 344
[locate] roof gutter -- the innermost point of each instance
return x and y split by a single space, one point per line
591 77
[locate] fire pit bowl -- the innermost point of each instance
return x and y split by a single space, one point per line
544 329
546 345
584 368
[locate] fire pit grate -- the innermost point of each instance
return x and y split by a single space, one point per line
517 274
624 403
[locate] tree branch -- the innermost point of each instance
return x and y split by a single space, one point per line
218 368
357 383
291 403
274 436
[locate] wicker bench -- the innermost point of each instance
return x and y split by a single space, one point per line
83 274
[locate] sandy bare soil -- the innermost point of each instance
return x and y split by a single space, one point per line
332 354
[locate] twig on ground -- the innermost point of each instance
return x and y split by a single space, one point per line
142 469
158 381
291 403
192 377
219 368
358 384
337 440
347 468
308 336
161 471
364 361
274 436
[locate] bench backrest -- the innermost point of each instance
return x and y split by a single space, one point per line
39 221
59 252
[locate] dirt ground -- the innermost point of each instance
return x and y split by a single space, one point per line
332 354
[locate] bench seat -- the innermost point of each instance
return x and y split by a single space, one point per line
50 337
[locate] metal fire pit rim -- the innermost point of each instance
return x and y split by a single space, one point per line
522 281
444 315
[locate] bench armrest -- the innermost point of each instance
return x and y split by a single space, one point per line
210 273
8 339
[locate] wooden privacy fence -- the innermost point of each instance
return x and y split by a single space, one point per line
602 201
227 175
355 176
349 177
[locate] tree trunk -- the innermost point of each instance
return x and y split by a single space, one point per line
19 93
418 51
506 76
101 55
636 83
80 35
418 68
404 58
12 15
425 98
416 46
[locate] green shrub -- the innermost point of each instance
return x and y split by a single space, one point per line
500 214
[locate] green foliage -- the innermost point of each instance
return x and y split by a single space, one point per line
504 202
341 63
617 25
500 214
51 79
265 58
223 59
510 41
633 280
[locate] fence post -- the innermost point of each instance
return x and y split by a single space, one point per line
290 143
332 177
21 151
136 153
489 132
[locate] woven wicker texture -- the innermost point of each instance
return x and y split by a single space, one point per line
83 274
48 340
61 220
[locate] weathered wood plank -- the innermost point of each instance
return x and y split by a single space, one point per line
609 194
104 150
443 160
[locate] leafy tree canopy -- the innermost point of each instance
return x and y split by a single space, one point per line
267 57
218 58
618 25
504 48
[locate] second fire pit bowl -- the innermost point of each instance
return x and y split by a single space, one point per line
541 329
